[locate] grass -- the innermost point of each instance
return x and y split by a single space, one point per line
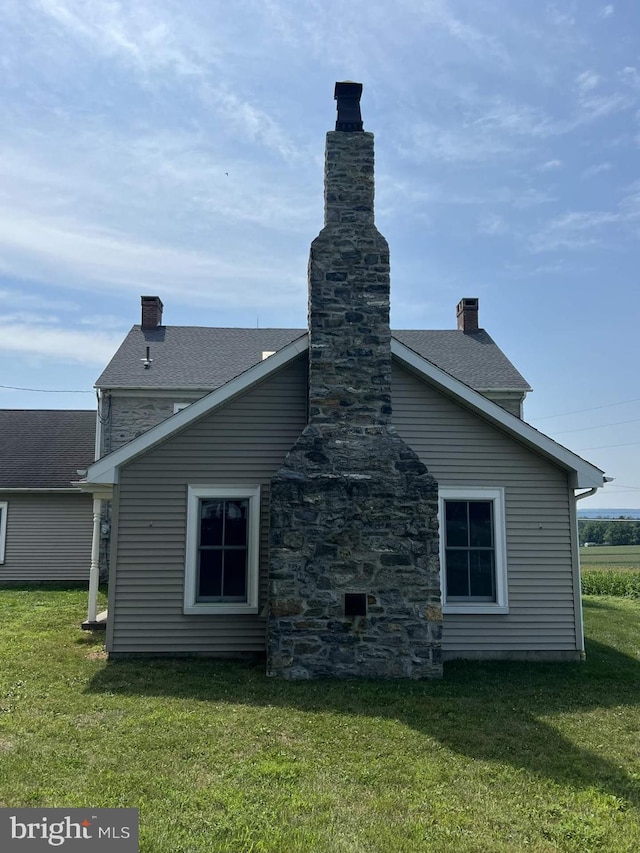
495 758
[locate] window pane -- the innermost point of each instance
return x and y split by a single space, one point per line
235 573
457 573
480 524
457 534
236 512
211 522
209 574
482 574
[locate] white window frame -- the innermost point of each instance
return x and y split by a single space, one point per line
474 493
4 509
194 494
178 407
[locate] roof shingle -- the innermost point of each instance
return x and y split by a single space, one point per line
43 448
198 357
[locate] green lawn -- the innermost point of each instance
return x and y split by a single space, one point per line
495 758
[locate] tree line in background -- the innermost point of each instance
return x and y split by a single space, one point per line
616 531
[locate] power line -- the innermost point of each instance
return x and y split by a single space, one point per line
593 409
605 446
600 426
44 390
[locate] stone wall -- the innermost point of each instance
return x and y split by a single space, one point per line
127 417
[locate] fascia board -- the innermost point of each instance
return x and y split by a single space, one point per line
586 474
519 391
105 470
155 390
99 490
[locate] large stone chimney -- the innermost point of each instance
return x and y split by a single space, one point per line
354 586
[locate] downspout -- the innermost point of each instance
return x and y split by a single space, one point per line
94 570
98 446
577 567
94 566
577 579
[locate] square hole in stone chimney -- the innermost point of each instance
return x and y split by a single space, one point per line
355 604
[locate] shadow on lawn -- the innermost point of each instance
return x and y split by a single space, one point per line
488 711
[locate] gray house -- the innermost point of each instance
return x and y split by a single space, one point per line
347 500
45 523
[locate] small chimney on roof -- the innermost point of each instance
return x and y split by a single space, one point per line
151 312
467 312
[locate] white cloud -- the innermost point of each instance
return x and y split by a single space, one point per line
630 76
596 169
251 122
106 321
606 11
139 33
497 127
587 81
57 344
493 225
575 230
550 165
597 107
18 300
503 128
79 255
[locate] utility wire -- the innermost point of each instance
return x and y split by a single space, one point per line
580 411
44 390
605 446
600 426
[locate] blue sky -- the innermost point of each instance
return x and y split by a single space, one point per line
175 148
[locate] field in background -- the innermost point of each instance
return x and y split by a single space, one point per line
611 570
611 557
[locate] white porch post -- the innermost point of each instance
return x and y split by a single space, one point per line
94 571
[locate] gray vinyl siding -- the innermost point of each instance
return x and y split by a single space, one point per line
243 443
460 449
48 537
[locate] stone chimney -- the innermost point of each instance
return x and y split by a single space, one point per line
354 585
467 313
151 312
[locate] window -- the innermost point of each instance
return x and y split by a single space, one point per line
223 529
3 528
473 550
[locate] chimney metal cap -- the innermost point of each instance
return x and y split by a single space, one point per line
347 94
